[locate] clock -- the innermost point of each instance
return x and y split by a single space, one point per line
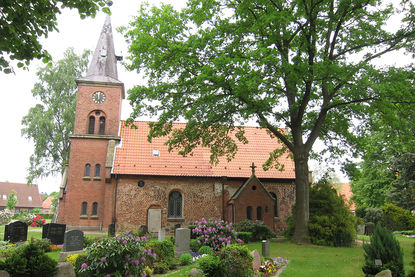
98 97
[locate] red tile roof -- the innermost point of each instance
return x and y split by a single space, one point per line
25 192
47 204
346 191
134 156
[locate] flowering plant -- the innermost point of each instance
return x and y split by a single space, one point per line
215 233
38 221
270 267
5 216
120 256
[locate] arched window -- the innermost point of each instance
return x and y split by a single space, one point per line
259 213
84 208
102 125
95 208
91 125
249 212
175 204
97 170
276 214
87 170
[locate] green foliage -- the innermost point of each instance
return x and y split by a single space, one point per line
369 228
245 236
164 254
374 215
194 245
258 229
29 261
160 267
24 216
72 258
302 64
11 200
206 250
88 241
383 246
236 261
20 40
403 192
42 244
211 266
55 114
79 261
185 259
5 216
331 222
412 272
397 218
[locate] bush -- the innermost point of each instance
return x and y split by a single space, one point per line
245 236
160 267
5 216
373 215
397 218
185 259
164 254
24 216
412 272
206 250
77 266
384 246
72 259
191 227
194 245
37 221
43 244
88 241
331 222
29 261
236 261
215 233
258 229
120 256
211 266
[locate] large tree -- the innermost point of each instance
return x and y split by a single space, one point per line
24 22
50 123
301 65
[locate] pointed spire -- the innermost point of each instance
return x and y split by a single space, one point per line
103 67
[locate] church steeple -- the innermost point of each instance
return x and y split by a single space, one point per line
103 67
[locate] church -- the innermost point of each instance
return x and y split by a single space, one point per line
118 181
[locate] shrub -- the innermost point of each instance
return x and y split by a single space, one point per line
211 266
206 250
192 235
245 236
88 241
160 267
185 259
412 272
215 233
72 258
43 244
384 246
5 216
163 249
29 260
194 245
236 261
258 229
38 221
373 215
25 217
120 256
397 218
79 261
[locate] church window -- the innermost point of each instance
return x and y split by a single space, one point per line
102 125
84 208
259 213
249 212
29 198
95 208
175 204
97 170
91 125
276 214
87 170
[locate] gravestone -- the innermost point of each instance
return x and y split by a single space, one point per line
154 220
54 232
360 229
256 262
111 230
265 248
162 235
15 232
182 239
73 241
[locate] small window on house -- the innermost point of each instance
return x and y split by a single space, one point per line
259 213
175 204
84 208
97 170
95 208
249 212
91 125
4 197
102 125
29 198
156 153
87 170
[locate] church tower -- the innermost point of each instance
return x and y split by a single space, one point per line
87 190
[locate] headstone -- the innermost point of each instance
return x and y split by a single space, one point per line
65 269
195 272
378 262
360 230
256 262
154 220
162 235
54 232
182 239
73 241
384 273
265 248
111 230
15 232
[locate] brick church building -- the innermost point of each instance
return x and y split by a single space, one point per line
115 176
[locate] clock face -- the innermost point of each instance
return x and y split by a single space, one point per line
98 97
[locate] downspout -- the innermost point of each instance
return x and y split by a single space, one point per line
224 178
114 217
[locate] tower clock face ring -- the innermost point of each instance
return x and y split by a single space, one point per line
98 97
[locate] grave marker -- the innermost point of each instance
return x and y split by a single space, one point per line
73 241
15 232
54 232
182 238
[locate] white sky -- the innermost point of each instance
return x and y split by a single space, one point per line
16 98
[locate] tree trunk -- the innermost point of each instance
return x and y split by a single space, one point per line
302 187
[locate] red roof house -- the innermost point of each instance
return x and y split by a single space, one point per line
28 196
